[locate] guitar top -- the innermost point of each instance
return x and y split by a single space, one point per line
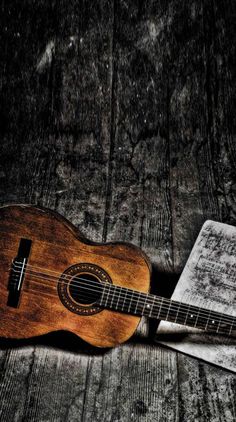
52 278
43 257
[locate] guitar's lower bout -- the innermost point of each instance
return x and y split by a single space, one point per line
48 304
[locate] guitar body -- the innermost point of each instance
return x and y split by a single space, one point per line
57 248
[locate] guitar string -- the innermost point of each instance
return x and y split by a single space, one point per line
214 315
177 304
183 321
158 315
131 292
134 293
137 294
169 302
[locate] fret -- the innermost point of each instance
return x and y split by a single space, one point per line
160 306
144 305
122 308
130 301
185 321
148 306
118 298
113 295
167 315
189 315
176 316
218 328
201 321
192 315
207 323
231 328
211 323
152 306
103 291
135 310
195 325
108 292
139 303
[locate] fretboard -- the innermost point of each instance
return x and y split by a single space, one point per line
132 302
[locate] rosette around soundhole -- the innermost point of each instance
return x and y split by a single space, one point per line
80 287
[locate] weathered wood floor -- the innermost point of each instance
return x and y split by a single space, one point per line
120 115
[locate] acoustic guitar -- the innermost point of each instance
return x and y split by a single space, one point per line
52 278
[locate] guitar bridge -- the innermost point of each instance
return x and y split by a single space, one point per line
17 273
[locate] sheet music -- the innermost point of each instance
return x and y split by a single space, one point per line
208 280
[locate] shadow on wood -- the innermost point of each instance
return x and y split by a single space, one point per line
162 284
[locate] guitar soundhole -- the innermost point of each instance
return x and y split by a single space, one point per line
85 289
80 288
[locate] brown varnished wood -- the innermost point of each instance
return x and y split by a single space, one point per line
57 245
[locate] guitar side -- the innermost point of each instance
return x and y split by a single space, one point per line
56 245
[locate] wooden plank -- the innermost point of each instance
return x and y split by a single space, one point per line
200 102
138 211
206 392
55 114
36 386
55 149
56 107
62 397
202 172
180 102
13 386
138 206
132 383
65 385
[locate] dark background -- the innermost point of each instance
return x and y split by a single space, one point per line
120 115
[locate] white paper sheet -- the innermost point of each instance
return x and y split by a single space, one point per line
208 280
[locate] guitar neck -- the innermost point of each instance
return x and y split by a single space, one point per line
132 302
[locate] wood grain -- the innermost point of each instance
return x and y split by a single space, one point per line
206 392
78 81
57 246
201 161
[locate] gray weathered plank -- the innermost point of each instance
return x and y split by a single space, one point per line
56 148
119 117
201 96
138 199
54 153
133 384
138 207
206 392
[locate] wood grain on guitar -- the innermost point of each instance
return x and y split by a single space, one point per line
54 279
